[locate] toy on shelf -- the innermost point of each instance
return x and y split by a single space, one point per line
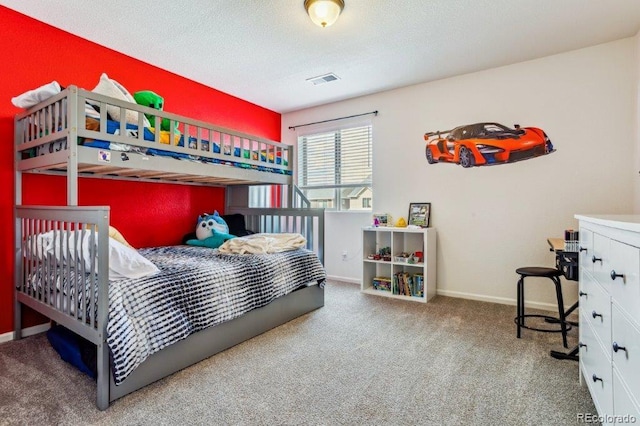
383 254
404 257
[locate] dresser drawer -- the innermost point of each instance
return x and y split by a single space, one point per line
595 307
626 361
586 249
624 407
594 363
625 285
600 259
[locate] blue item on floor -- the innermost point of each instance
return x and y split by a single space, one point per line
70 348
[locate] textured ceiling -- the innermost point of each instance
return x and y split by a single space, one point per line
264 50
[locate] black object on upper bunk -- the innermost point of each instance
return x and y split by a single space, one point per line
237 225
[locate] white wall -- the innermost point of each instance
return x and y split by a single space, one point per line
493 219
340 237
636 113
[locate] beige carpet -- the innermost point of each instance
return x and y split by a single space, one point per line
361 359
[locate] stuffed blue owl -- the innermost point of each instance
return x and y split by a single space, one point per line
211 231
210 223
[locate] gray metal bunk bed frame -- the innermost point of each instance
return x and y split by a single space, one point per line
59 118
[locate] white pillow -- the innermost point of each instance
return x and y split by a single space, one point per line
126 262
112 88
35 96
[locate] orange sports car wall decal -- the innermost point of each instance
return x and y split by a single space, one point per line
486 143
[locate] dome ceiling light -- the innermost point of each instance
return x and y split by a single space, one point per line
324 12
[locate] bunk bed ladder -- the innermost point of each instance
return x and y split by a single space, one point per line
297 198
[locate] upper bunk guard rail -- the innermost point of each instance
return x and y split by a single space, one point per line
63 118
307 222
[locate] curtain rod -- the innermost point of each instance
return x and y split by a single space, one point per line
333 119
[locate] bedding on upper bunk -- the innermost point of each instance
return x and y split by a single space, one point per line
195 288
234 155
113 127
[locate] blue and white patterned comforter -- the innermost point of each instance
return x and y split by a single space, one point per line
196 288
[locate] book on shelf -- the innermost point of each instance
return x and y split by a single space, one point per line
419 284
405 284
382 283
408 283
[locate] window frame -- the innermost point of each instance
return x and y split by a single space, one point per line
339 158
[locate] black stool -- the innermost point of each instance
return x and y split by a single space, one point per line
554 275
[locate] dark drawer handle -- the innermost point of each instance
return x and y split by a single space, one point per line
582 293
583 249
595 378
582 345
595 259
595 315
614 275
617 347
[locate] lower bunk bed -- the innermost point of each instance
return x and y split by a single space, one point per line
194 304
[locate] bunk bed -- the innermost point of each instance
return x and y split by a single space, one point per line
69 282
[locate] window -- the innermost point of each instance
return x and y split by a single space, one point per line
334 168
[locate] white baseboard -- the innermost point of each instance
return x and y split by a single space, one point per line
500 300
470 296
343 279
26 332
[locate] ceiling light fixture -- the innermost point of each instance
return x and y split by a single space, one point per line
324 12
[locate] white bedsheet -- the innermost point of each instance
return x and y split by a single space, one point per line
263 243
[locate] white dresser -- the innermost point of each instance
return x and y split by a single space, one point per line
610 314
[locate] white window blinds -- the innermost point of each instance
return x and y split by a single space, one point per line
334 168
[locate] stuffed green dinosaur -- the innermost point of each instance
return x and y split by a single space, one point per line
152 100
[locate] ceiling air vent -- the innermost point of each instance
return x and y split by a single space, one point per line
321 79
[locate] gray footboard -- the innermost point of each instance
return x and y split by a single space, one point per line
43 266
84 308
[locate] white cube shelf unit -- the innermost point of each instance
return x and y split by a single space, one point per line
397 278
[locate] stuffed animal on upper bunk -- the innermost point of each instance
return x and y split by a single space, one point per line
155 101
211 231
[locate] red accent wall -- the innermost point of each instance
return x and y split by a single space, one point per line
147 214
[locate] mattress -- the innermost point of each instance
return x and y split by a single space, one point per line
196 288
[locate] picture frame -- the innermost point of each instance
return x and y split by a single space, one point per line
419 214
383 219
